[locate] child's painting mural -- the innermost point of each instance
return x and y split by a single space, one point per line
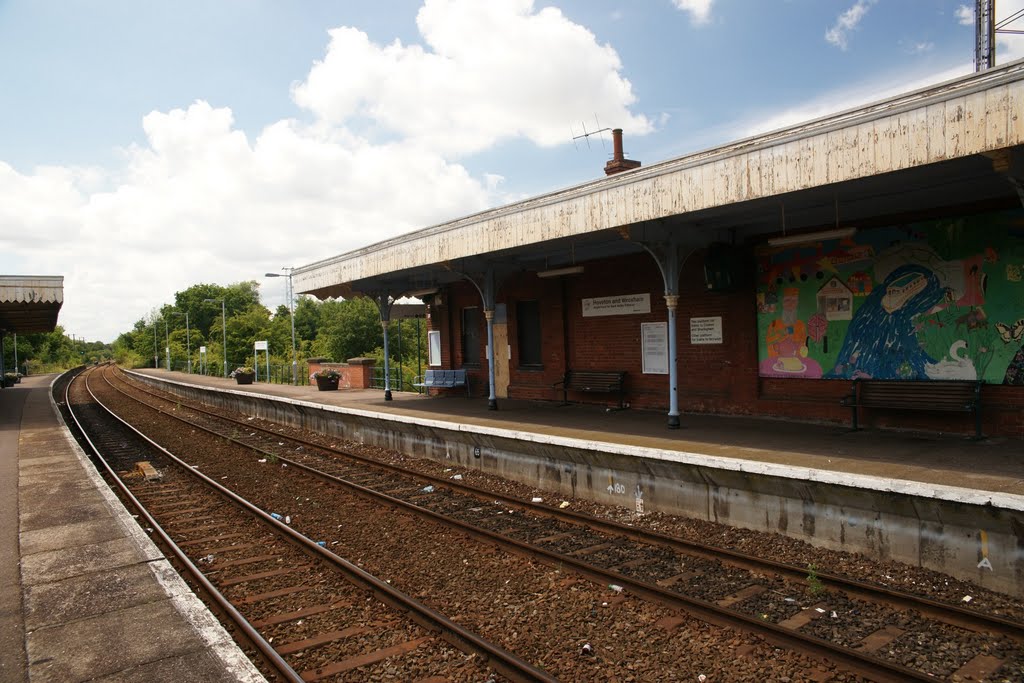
936 300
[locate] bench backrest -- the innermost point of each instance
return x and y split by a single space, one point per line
946 393
430 376
612 379
458 377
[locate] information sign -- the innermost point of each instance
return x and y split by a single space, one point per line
706 330
654 340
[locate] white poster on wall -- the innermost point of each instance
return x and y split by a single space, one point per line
654 346
706 330
434 347
624 304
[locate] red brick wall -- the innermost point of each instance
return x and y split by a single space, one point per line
713 378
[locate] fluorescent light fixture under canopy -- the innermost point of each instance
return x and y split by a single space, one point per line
802 238
555 272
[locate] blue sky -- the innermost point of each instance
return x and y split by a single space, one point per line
234 137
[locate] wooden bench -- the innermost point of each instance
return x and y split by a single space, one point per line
598 381
940 395
443 379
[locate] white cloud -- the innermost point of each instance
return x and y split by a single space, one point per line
965 15
847 22
488 71
201 202
700 10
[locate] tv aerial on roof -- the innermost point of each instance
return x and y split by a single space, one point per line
585 135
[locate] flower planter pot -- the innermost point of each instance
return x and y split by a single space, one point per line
327 383
245 377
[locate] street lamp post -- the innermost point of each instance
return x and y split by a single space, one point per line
156 354
224 329
188 343
291 312
167 348
188 340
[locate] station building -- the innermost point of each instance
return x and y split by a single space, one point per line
757 278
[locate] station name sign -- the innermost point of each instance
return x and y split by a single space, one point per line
625 304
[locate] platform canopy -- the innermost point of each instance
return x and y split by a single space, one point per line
951 147
30 303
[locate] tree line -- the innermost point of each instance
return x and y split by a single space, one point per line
334 329
42 352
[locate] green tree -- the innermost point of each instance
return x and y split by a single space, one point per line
348 328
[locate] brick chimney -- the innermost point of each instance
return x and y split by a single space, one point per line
619 163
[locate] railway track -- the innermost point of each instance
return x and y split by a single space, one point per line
744 593
311 615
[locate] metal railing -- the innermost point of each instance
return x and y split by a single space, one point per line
400 381
280 373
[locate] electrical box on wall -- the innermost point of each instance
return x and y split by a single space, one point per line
725 267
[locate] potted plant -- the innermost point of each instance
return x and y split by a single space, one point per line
244 375
10 379
326 379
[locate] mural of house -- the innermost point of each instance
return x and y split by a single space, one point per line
835 300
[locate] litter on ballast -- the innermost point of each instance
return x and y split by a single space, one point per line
276 516
322 544
819 610
616 588
457 476
262 460
587 650
537 500
564 504
966 598
834 615
287 519
427 489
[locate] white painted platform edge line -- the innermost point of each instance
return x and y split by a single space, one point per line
184 600
957 494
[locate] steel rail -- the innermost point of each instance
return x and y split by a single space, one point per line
941 611
265 648
505 662
868 665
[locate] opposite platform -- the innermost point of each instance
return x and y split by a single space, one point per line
84 593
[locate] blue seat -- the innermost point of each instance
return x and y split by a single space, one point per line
445 379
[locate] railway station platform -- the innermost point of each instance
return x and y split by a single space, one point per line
84 593
986 470
941 501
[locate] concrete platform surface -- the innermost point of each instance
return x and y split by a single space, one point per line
933 465
84 593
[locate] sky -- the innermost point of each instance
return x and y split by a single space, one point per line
149 146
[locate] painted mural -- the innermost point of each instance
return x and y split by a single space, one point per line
935 300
